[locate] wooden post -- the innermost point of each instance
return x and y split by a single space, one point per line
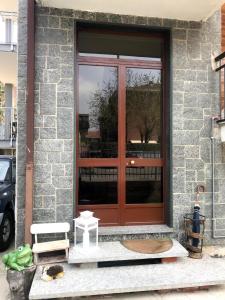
30 118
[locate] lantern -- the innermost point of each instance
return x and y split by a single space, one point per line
86 222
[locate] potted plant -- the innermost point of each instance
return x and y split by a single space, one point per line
20 271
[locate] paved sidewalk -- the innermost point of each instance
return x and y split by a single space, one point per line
214 292
4 288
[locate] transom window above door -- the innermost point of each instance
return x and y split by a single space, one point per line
105 43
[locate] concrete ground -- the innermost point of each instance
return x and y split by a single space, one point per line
4 288
214 292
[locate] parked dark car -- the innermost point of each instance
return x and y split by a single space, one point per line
7 200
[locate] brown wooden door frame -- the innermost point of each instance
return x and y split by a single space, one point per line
154 211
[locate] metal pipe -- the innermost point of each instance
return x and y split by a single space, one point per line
213 119
213 175
222 109
11 127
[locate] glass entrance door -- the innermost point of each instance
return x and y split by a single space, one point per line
143 154
97 152
119 142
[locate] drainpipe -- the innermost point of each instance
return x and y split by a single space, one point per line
214 119
8 111
213 174
30 119
217 65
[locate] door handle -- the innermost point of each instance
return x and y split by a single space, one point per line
130 163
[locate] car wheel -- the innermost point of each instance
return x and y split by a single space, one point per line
6 231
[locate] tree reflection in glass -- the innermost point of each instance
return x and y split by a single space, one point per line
143 112
98 112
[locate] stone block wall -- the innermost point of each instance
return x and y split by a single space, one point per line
194 99
21 124
54 116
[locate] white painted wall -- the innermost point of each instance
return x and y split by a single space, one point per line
190 10
8 60
8 67
9 5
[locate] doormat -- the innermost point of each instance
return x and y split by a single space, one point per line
148 246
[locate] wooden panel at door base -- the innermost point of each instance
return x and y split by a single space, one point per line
107 216
135 215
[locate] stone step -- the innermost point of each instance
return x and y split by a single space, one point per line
115 251
184 273
119 233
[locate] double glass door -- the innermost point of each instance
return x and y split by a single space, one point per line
119 141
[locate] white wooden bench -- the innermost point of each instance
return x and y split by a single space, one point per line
45 228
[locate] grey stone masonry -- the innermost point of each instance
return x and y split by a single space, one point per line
54 116
21 111
195 98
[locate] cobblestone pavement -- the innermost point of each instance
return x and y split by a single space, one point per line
214 292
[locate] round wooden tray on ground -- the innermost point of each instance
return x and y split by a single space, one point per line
148 246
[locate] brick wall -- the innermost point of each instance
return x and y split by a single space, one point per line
195 97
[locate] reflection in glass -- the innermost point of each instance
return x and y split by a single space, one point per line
139 58
143 113
143 185
97 185
121 45
98 110
120 56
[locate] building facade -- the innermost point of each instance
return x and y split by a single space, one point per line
123 106
8 81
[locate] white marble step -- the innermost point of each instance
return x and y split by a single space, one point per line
115 251
185 272
134 229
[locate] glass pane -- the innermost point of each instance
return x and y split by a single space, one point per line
97 185
98 55
4 170
123 45
143 113
14 171
98 112
139 58
143 185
